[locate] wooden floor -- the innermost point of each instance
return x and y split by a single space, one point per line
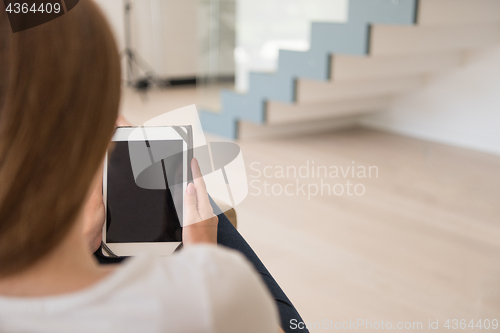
422 243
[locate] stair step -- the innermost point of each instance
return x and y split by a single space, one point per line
281 113
346 68
248 130
311 91
387 40
444 12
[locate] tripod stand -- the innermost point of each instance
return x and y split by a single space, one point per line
135 63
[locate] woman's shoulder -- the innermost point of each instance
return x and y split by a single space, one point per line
205 266
197 271
215 285
228 286
214 258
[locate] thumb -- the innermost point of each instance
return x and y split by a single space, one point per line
191 206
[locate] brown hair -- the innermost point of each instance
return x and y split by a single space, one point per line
59 96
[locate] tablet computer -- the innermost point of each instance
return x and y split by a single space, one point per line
146 171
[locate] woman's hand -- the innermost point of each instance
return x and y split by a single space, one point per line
121 121
93 215
93 211
200 222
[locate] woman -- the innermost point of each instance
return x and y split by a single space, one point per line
59 95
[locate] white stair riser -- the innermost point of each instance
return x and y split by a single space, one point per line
387 40
346 68
248 130
451 12
281 113
310 91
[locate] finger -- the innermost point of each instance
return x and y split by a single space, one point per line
99 181
95 190
121 121
197 177
204 208
191 206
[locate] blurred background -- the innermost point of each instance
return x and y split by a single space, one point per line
409 88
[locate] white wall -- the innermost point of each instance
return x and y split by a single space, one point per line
164 33
460 108
113 10
180 37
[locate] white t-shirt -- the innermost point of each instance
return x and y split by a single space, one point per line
202 288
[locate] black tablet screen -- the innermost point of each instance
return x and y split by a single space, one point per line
138 214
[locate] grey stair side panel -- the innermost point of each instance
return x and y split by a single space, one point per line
310 64
278 86
400 12
220 124
243 106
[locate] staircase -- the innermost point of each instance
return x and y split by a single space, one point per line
388 47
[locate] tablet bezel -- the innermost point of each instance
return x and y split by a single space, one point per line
153 133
